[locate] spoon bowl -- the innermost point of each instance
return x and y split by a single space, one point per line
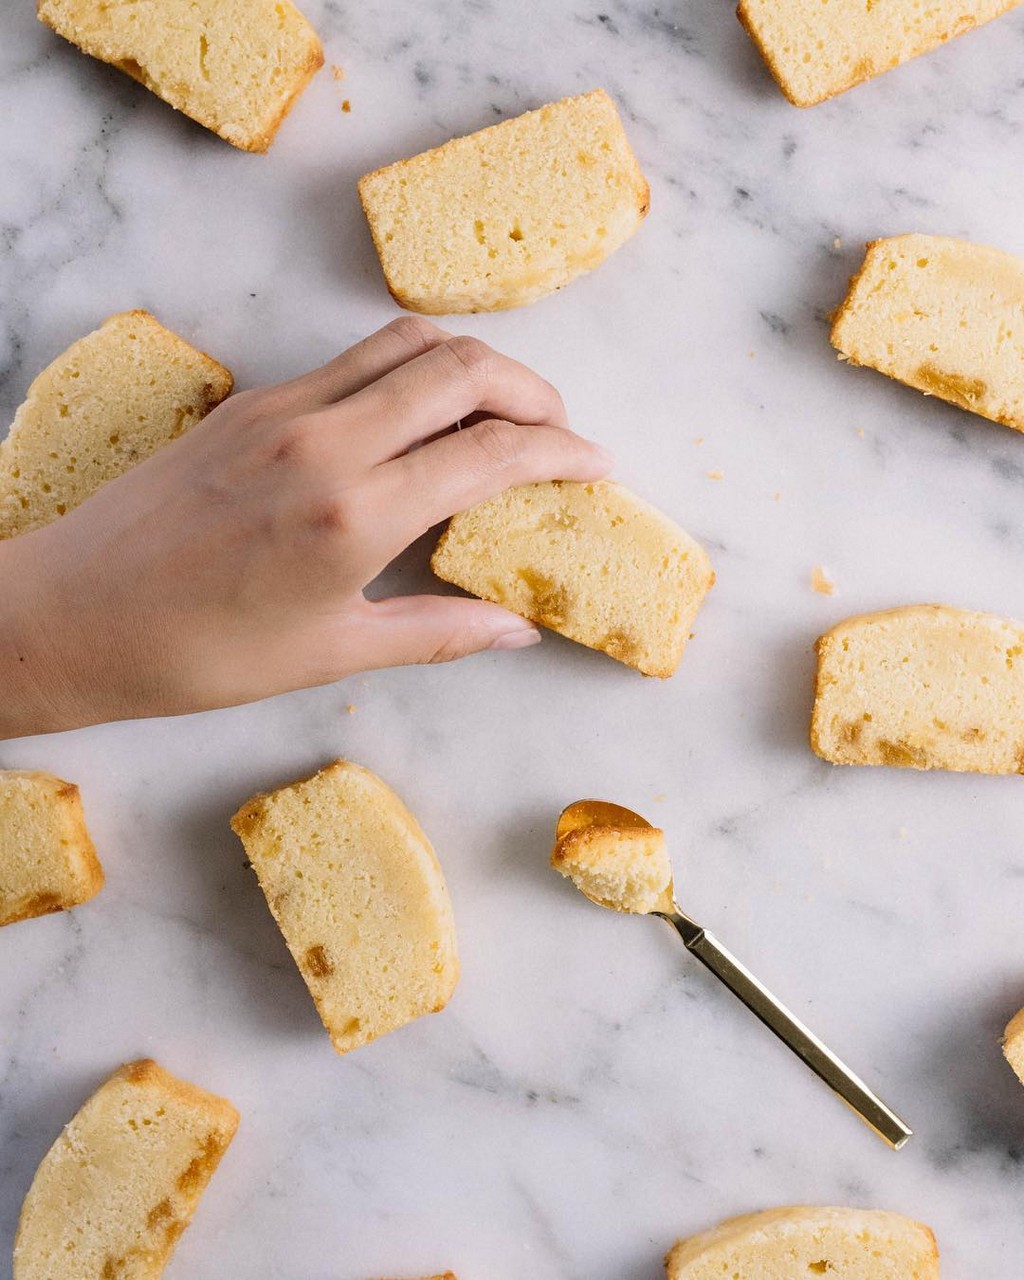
602 813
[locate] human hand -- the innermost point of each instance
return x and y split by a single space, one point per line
231 565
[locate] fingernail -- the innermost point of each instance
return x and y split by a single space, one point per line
521 639
605 455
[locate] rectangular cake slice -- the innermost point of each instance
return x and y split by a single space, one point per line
112 399
121 1183
806 1241
591 561
235 66
506 215
924 687
359 895
818 48
47 860
941 315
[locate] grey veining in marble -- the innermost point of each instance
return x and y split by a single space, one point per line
589 1094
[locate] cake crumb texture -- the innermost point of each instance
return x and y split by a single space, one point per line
121 1183
47 860
818 48
359 895
591 561
110 401
922 687
805 1241
944 316
623 868
235 66
506 215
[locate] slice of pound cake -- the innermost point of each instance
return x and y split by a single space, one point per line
112 399
941 315
509 214
360 898
781 1244
591 561
623 868
236 66
121 1183
816 50
925 687
47 861
1013 1044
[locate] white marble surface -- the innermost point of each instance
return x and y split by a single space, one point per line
590 1093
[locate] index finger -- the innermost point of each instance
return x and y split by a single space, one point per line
451 381
402 340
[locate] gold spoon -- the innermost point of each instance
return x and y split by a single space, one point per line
742 983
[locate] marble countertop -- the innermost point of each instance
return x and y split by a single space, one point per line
590 1093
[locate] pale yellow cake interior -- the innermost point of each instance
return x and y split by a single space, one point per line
112 399
47 860
925 686
818 48
944 316
236 66
591 561
360 898
506 215
803 1242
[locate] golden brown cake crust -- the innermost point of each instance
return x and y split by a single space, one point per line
841 312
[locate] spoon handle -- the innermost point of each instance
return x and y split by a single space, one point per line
760 1001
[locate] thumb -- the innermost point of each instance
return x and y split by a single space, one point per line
416 629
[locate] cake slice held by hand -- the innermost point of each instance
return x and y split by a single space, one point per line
121 1183
47 860
591 561
781 1244
509 214
235 66
923 687
360 898
112 399
944 316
